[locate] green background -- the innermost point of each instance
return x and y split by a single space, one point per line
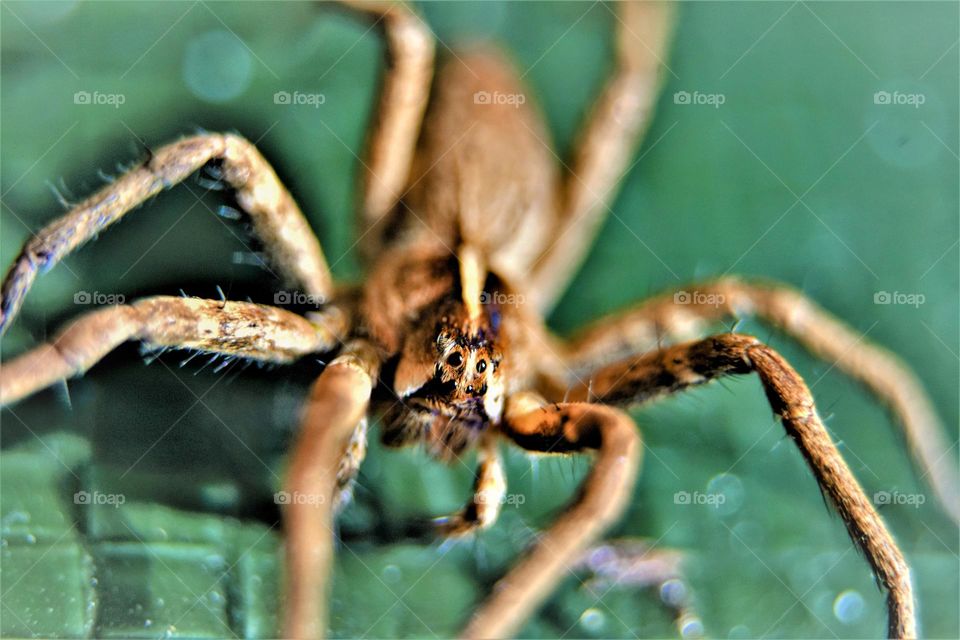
197 455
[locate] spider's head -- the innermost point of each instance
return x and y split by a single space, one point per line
449 378
449 375
467 363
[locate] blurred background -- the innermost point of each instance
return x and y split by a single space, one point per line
813 143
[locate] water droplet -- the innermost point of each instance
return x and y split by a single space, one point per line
849 607
673 592
15 517
728 492
691 627
592 620
391 574
217 66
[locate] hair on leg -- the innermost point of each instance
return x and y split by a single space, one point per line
241 329
276 218
681 366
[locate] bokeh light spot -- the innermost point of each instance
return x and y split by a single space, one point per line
217 66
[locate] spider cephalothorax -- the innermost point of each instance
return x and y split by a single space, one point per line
448 383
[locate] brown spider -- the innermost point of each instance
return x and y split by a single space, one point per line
465 214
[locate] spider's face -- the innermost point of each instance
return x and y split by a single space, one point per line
468 366
449 380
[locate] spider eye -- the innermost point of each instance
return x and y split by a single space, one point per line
454 360
481 366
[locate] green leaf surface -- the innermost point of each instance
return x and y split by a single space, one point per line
800 175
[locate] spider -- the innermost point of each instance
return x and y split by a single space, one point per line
464 213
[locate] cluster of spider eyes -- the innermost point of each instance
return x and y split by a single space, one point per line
455 360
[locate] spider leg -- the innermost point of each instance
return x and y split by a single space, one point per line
404 94
678 367
488 492
562 428
686 314
606 144
337 404
276 218
350 463
239 329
